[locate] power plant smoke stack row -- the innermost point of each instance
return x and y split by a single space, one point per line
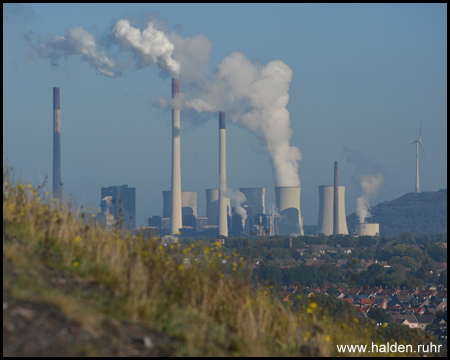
212 206
255 199
223 225
56 180
336 201
326 210
176 219
288 203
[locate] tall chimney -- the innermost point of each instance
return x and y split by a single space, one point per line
56 181
336 201
223 224
176 220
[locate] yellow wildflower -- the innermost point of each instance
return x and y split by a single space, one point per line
313 305
180 267
328 338
78 238
76 264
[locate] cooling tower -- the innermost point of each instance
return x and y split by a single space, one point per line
212 206
189 203
176 219
167 204
367 229
335 201
326 209
288 203
255 199
223 223
56 181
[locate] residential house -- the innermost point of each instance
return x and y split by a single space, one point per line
424 320
367 302
426 294
380 302
405 319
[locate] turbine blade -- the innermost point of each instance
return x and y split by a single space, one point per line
413 142
423 149
420 129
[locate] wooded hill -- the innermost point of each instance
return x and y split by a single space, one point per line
422 213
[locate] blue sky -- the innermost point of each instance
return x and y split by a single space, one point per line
364 77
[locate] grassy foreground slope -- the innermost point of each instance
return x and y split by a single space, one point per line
73 289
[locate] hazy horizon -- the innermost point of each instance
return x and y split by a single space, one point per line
353 82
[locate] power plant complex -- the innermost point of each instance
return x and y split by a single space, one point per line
179 213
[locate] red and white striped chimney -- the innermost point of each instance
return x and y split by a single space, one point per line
223 220
56 180
176 219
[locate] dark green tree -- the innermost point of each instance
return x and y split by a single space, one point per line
379 315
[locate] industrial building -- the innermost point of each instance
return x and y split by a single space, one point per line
123 204
368 229
255 199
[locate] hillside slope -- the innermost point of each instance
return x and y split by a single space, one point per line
71 288
422 213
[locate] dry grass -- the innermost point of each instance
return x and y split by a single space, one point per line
209 306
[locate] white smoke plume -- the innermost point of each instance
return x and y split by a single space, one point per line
237 198
256 96
76 41
150 46
368 177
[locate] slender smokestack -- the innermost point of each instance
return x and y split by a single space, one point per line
176 220
336 201
223 226
56 183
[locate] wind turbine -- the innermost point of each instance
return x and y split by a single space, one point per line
417 142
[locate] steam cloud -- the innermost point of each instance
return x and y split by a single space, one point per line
76 41
150 46
367 177
257 97
237 198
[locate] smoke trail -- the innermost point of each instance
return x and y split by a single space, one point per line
150 46
368 177
237 198
76 41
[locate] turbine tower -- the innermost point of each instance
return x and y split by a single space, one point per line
418 142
